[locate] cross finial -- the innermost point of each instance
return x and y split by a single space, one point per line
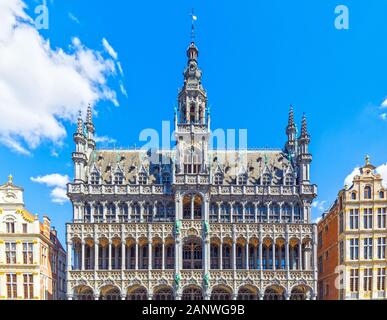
10 179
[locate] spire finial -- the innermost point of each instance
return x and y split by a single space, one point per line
89 117
10 179
291 116
304 128
367 159
80 123
193 19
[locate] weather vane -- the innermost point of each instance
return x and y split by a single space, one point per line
193 19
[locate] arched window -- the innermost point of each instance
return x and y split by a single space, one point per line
353 195
192 294
135 215
123 212
297 213
148 212
262 213
10 225
214 253
87 213
381 194
163 294
289 181
138 294
118 178
170 256
192 254
157 256
238 213
192 114
220 294
192 161
266 179
250 212
367 192
218 179
274 213
242 179
142 178
94 178
98 213
225 215
111 212
226 258
286 213
214 212
160 212
171 211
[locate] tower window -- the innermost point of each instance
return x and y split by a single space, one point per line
381 194
266 180
94 178
118 179
142 179
353 195
166 178
289 181
242 179
218 179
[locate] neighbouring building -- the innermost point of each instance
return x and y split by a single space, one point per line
352 241
32 260
192 223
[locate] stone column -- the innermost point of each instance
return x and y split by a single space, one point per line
136 253
163 255
247 255
150 267
287 253
273 254
300 255
83 255
260 254
292 217
123 255
96 253
110 255
221 255
268 212
192 206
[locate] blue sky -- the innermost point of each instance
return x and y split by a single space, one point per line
258 57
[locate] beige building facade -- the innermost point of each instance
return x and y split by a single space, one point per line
359 240
32 260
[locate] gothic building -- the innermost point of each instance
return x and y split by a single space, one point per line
192 223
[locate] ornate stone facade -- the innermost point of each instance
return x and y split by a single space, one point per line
192 223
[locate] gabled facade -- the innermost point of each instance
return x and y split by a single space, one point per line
192 223
32 260
353 256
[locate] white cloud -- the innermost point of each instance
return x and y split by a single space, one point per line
73 18
384 104
349 179
109 49
43 87
123 90
58 183
317 220
320 205
382 170
383 116
104 140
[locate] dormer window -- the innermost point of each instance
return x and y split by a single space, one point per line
94 178
367 192
218 179
118 178
266 180
142 178
289 181
242 179
10 226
